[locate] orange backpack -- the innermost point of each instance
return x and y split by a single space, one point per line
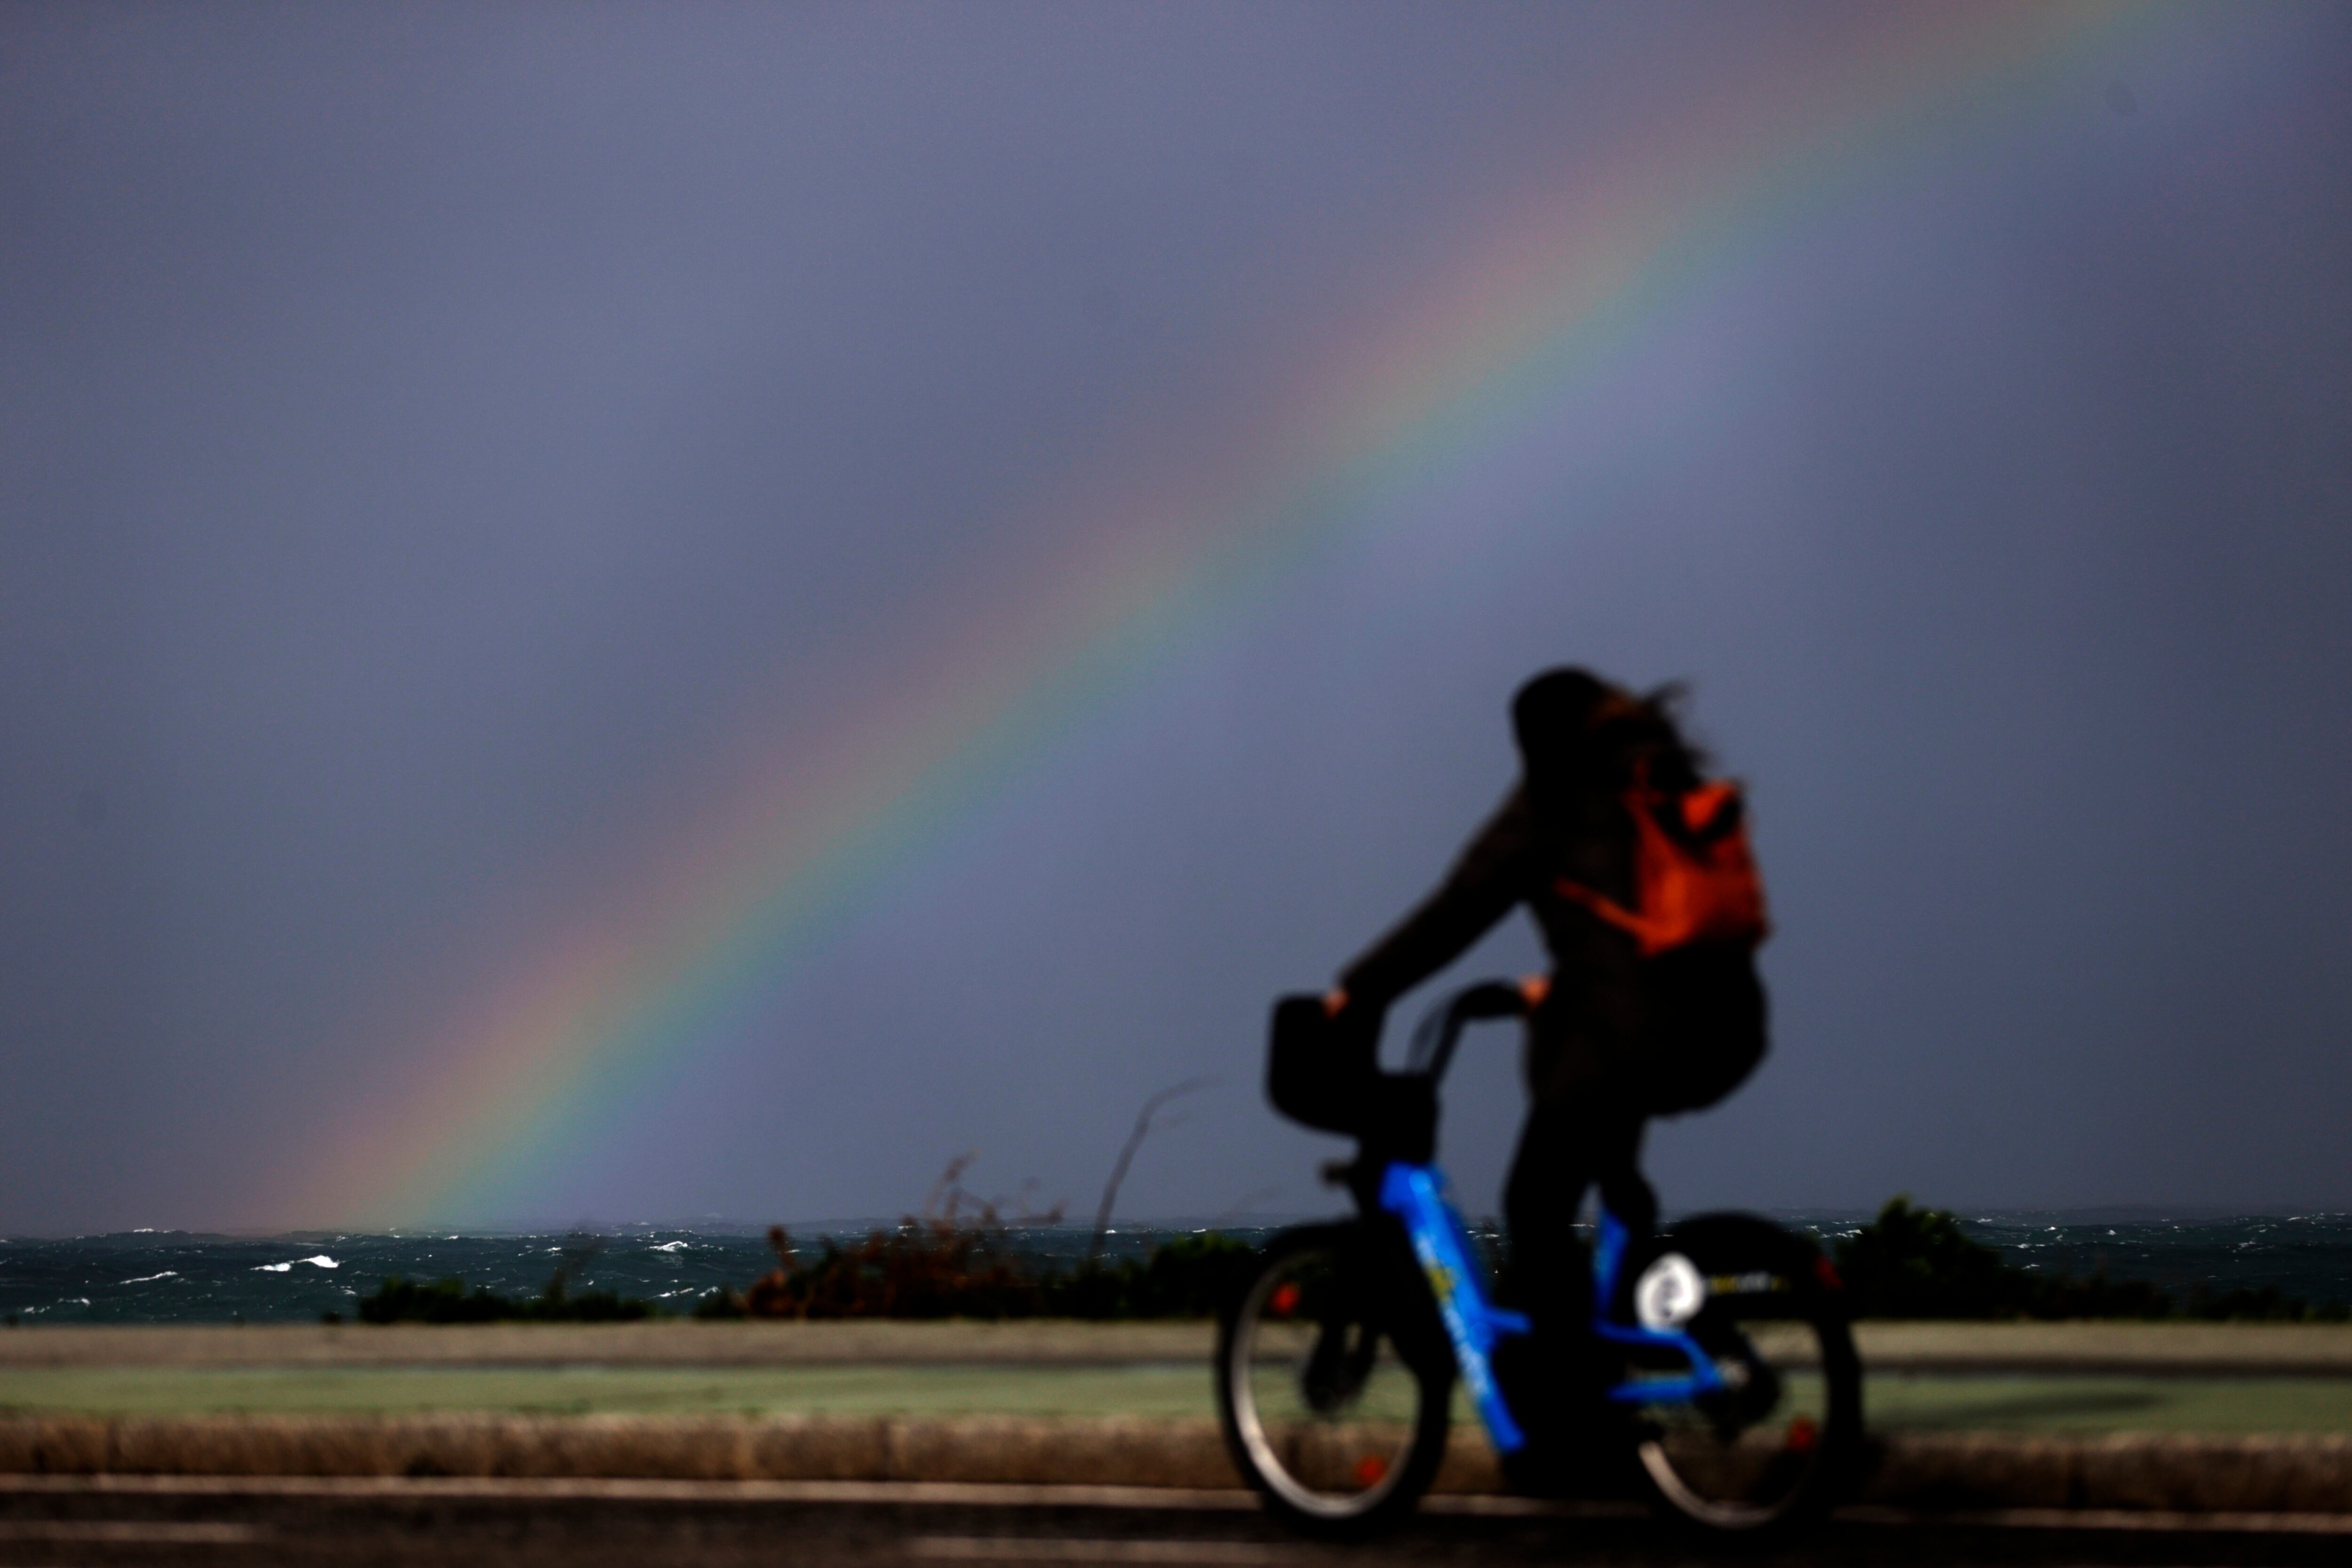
1694 877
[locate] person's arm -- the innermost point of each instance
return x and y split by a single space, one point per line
1487 880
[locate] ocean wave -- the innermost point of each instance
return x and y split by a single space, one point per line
145 1279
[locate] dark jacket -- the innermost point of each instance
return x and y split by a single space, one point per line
1664 1034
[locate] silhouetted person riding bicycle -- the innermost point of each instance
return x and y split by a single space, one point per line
1648 1009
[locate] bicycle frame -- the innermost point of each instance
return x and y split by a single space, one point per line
1415 1194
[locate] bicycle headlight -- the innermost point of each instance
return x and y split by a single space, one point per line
1669 1293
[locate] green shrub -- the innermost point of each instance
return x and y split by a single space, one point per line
399 1301
1191 1277
1918 1263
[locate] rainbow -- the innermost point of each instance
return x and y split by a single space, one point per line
1548 299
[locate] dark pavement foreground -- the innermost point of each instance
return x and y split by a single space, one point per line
160 1522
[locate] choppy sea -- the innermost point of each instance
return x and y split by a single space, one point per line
166 1277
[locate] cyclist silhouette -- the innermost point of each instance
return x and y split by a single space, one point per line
1617 1035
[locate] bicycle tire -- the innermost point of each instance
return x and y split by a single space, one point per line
1334 1400
1776 1452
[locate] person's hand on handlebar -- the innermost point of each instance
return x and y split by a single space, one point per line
1356 1022
1353 1015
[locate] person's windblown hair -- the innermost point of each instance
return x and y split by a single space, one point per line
1579 734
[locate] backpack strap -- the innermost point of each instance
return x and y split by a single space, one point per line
1608 909
1640 800
1691 862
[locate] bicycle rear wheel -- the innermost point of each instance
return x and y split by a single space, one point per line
1777 1448
1334 1402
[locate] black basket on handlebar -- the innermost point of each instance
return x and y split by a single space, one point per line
1323 1072
1317 1071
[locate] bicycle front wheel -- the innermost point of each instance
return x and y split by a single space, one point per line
1334 1400
1777 1446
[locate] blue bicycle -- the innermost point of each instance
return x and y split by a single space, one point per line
1337 1367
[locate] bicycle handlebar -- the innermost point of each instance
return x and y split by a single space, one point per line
1441 1028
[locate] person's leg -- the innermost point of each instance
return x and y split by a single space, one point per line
1616 1161
1563 1149
1556 1380
1548 1277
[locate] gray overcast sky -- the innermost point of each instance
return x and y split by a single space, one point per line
437 444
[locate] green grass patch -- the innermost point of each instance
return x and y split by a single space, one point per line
1895 1401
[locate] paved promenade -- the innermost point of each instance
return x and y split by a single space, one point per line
170 1522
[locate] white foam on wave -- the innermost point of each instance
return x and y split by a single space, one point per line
143 1278
671 1246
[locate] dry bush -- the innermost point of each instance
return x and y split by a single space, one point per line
941 1264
